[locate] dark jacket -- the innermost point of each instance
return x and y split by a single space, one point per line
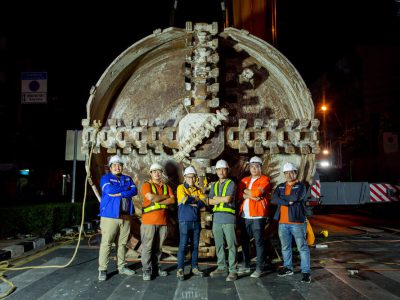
297 211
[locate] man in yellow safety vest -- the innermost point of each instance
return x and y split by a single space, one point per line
222 196
156 197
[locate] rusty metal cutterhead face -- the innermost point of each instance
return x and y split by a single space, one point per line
195 95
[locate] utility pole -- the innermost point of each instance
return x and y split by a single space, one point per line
172 15
74 165
72 153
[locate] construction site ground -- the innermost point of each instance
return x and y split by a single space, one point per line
360 259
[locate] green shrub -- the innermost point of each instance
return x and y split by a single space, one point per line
43 219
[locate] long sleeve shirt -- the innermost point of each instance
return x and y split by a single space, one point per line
293 203
112 185
189 203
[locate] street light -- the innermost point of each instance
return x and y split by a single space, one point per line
325 164
324 110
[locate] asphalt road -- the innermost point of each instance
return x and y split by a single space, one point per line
359 265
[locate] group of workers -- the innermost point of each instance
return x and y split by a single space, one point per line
246 206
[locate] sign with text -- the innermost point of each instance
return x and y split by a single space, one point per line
33 87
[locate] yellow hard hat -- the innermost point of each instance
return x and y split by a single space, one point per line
325 233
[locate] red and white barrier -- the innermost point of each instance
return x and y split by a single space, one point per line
384 192
316 191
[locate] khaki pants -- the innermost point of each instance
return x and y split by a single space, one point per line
153 237
113 230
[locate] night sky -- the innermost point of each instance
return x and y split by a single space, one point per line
76 43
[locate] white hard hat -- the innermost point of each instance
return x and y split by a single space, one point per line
256 160
115 160
221 164
289 167
189 170
155 167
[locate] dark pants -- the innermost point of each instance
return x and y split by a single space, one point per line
253 228
188 231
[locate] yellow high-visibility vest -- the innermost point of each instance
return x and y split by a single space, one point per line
223 207
154 205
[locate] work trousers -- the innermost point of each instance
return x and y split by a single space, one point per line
189 231
253 228
152 237
113 230
225 233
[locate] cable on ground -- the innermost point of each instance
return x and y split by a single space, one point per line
4 266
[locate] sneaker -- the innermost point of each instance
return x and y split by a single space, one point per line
244 270
126 271
285 272
231 277
197 272
306 278
218 272
102 275
180 275
256 274
146 276
162 273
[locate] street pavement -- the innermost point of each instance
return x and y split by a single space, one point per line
361 266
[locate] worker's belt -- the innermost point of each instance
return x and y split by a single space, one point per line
153 207
125 217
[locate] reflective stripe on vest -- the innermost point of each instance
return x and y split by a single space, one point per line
154 189
155 206
223 207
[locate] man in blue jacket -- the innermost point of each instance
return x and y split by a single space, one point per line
116 208
291 214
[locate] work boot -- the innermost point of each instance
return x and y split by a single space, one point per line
306 278
285 272
256 274
231 277
162 273
197 272
180 275
244 270
218 272
146 276
102 275
126 271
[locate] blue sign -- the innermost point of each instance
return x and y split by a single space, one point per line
33 87
34 75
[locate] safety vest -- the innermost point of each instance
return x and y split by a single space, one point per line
223 207
155 205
